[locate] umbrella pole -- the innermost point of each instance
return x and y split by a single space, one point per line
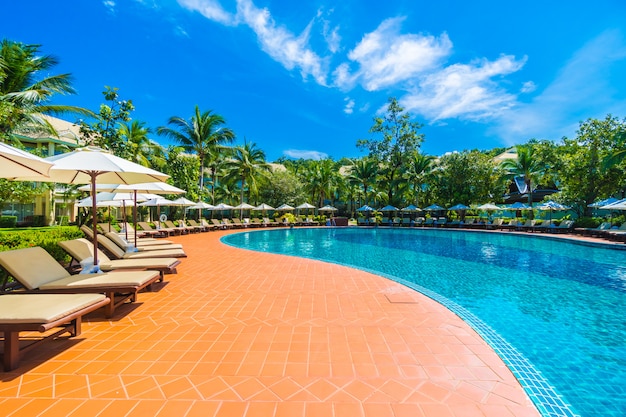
94 220
135 215
124 219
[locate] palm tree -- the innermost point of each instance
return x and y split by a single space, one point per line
201 134
26 89
419 166
364 172
247 162
616 157
526 166
137 145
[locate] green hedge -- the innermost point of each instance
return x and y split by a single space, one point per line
8 221
46 237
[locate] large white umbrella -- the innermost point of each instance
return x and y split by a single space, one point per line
184 202
90 165
284 207
19 163
488 207
243 206
328 208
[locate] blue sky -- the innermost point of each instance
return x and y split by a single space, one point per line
305 78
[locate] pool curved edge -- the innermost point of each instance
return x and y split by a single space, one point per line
543 394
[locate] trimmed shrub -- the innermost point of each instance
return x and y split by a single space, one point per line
8 222
47 238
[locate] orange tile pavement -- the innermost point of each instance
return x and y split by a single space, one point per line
241 333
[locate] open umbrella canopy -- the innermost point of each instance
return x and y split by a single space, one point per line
158 202
182 201
411 207
459 207
222 206
433 207
600 204
488 207
201 205
389 208
617 205
365 208
517 206
244 206
552 205
146 187
90 165
284 207
19 163
328 208
263 207
305 206
87 202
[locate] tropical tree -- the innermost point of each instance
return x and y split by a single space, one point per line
26 89
138 147
525 166
320 179
247 163
363 173
203 132
400 140
419 167
182 169
281 186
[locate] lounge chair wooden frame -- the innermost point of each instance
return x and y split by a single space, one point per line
21 320
81 249
118 287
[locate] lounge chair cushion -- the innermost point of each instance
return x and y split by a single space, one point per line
123 244
43 308
96 281
31 267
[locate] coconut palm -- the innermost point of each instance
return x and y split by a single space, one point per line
200 134
137 145
26 89
525 166
364 172
247 162
419 166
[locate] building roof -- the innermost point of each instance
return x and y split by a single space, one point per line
68 133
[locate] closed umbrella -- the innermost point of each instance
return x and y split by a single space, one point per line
90 165
19 163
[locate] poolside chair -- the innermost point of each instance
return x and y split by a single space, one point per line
198 227
269 222
206 224
441 222
145 241
41 313
127 246
118 253
429 222
81 250
526 227
155 232
254 222
184 229
237 224
37 271
593 232
566 226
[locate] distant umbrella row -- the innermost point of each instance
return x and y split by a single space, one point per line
548 205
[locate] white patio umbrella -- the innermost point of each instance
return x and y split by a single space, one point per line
222 207
19 163
263 208
91 164
200 205
184 202
284 207
488 207
328 208
145 187
389 208
552 206
243 206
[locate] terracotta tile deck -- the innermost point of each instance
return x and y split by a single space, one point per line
239 333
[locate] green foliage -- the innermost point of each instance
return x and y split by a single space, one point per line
8 221
47 238
588 222
280 187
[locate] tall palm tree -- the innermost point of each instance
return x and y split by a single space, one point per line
364 172
247 162
137 145
200 134
525 166
26 89
419 166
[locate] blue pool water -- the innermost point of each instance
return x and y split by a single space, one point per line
559 305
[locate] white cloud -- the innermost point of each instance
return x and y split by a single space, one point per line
349 108
211 9
582 89
180 31
385 57
110 5
528 87
464 91
280 44
297 154
332 37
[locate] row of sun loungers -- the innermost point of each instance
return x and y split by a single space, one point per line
39 295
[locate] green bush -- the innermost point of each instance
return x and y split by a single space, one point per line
587 222
8 221
46 237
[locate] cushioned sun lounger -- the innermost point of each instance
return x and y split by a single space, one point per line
118 253
128 246
37 271
82 249
40 313
144 241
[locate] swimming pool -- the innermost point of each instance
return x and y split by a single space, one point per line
559 305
